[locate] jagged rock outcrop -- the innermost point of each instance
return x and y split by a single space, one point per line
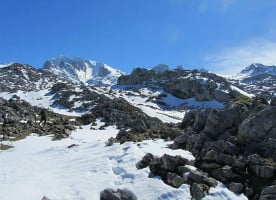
174 171
17 76
23 119
235 145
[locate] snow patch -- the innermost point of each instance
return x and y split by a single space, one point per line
38 166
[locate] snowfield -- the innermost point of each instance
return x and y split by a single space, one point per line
38 166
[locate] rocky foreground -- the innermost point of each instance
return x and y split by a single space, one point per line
235 145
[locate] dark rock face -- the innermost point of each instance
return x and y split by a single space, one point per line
18 110
110 194
235 145
145 162
198 191
268 193
45 198
273 101
236 187
259 126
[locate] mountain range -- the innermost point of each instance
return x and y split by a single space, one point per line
218 132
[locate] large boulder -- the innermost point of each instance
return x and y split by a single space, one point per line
236 187
174 180
273 101
171 163
261 167
259 126
110 194
220 121
268 193
198 191
145 162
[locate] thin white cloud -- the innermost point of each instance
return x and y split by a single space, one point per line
173 34
220 6
233 60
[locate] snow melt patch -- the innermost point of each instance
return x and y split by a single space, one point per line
38 166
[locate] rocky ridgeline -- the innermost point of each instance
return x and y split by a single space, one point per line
26 78
202 86
23 119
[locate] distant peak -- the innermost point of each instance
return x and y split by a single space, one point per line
161 68
257 68
83 70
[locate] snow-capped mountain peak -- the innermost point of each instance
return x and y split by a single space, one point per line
258 79
256 69
83 70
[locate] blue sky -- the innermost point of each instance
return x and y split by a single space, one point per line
220 35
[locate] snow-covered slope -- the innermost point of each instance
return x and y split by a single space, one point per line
38 166
83 71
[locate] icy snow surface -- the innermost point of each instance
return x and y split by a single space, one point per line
38 166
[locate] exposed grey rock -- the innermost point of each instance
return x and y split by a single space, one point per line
268 193
231 148
198 191
171 163
183 169
217 124
180 141
200 120
188 119
236 187
240 162
145 162
174 180
273 101
263 171
110 194
45 198
261 167
258 126
201 177
225 174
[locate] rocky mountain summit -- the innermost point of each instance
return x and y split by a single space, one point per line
83 71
